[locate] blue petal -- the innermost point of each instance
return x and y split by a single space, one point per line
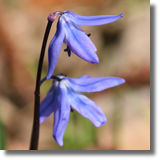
61 115
86 107
79 79
55 47
79 43
82 77
47 105
92 20
94 84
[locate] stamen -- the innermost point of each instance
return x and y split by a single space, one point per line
72 110
63 74
69 53
89 35
68 50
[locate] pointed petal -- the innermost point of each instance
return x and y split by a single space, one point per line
92 20
86 107
47 105
55 47
61 115
79 43
80 79
94 84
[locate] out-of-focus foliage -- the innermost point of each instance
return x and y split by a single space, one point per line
80 132
2 136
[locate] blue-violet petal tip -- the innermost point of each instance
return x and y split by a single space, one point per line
122 14
48 77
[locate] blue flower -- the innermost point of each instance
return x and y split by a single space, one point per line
74 37
63 95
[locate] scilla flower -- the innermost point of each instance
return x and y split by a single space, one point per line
74 37
63 95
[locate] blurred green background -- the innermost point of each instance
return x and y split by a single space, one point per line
123 48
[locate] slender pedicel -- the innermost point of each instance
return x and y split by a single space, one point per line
53 77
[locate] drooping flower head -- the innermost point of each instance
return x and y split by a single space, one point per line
63 95
74 37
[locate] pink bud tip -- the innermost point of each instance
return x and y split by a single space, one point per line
53 16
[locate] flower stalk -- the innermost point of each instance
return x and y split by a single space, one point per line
35 130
